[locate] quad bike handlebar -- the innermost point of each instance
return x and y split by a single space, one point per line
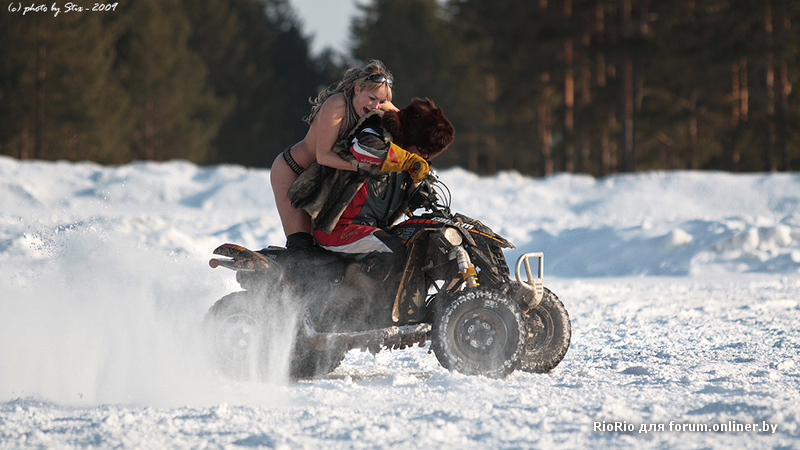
430 194
433 195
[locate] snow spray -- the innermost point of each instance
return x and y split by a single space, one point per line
106 320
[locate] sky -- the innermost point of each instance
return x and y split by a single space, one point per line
326 21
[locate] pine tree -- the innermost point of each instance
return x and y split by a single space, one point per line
16 85
259 63
176 112
62 98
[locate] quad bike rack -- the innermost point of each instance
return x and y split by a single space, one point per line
535 284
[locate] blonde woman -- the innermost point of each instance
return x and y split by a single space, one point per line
335 111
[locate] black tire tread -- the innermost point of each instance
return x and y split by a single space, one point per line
443 347
544 358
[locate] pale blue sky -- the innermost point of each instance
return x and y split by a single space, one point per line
328 21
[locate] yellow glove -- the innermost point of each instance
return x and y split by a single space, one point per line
398 160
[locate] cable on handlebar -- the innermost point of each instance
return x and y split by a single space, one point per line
443 192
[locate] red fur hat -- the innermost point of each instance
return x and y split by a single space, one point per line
422 124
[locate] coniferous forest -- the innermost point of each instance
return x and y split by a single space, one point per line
538 86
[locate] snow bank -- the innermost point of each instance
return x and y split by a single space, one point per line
655 223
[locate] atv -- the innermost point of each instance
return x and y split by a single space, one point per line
452 288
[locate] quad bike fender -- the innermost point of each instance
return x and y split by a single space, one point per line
238 258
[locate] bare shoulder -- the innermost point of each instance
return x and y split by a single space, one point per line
335 104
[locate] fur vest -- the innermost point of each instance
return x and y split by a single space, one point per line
324 192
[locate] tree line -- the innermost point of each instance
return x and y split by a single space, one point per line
539 86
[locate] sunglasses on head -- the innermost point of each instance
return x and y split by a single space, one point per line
378 78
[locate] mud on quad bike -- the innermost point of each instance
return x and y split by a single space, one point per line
453 289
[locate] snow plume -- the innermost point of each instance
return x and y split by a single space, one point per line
281 327
250 335
107 320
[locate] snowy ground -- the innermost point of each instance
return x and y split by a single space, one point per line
683 289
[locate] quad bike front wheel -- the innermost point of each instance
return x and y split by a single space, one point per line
548 335
480 332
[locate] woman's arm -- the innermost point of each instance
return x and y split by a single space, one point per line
330 118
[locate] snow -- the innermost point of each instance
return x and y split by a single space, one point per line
683 290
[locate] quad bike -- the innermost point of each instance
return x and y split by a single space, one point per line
453 288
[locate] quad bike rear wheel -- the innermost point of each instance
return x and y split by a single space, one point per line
238 330
234 336
480 332
548 335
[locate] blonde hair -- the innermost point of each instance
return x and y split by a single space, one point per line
353 77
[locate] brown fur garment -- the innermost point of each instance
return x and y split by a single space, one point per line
324 192
422 124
